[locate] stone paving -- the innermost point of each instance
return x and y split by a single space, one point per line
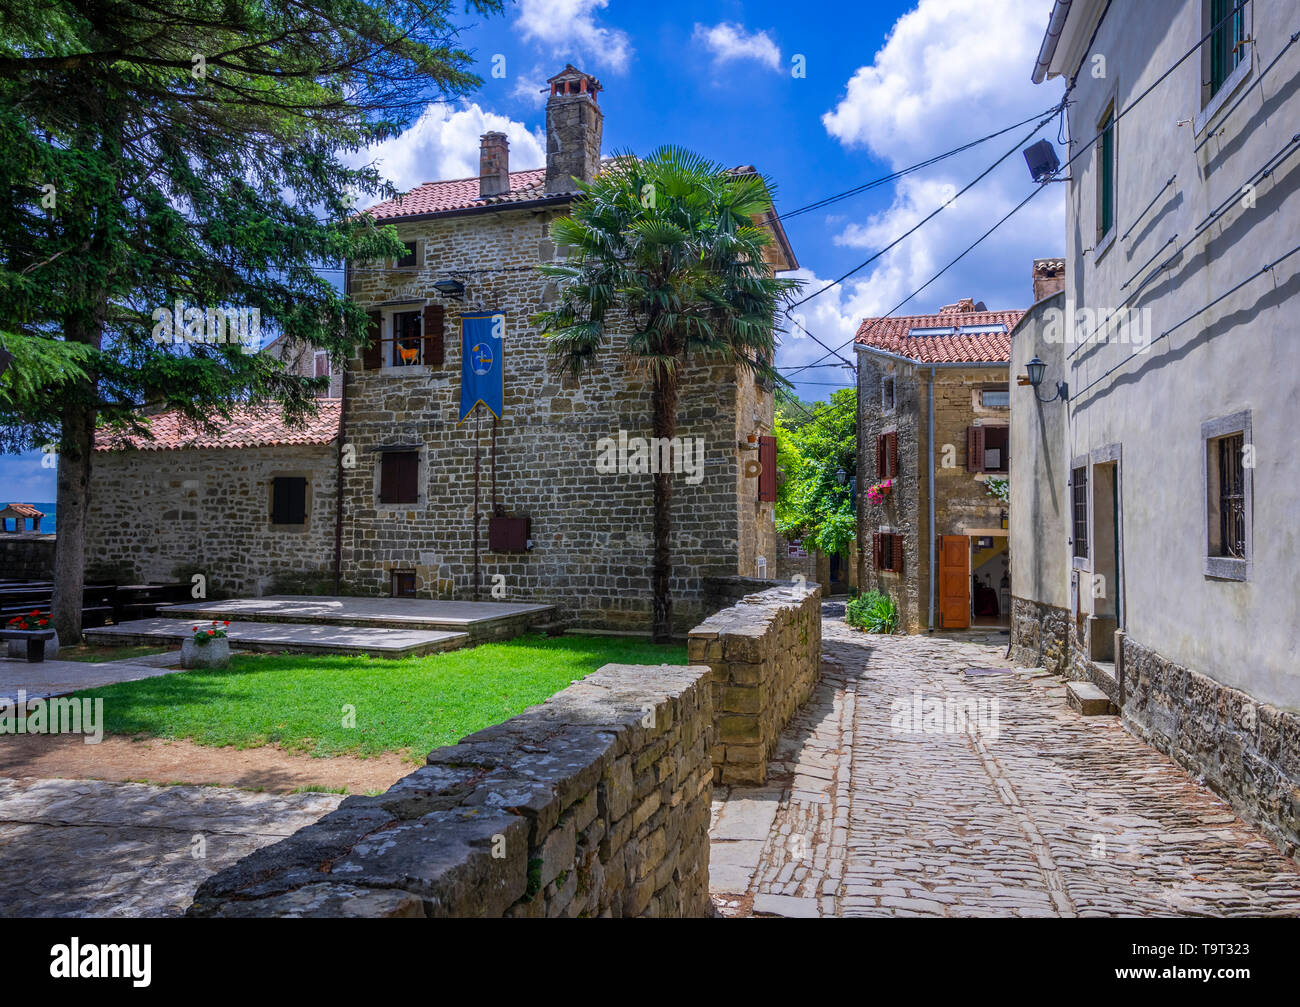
89 848
42 679
1031 810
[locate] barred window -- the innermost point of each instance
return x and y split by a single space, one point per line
1079 495
1231 493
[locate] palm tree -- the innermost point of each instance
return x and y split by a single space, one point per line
671 248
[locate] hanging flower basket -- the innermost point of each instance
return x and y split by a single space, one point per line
877 493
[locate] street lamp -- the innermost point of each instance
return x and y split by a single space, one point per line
840 476
1034 374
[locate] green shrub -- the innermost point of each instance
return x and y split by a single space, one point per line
873 611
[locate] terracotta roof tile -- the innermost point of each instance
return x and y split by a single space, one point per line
460 194
893 335
248 427
21 510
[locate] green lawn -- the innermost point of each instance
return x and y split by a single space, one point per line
412 705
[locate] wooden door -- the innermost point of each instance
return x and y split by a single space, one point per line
954 581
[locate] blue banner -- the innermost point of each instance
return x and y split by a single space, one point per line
482 364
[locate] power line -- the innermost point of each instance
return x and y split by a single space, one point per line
892 176
1074 157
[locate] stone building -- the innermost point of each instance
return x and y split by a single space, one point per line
516 508
1166 472
933 412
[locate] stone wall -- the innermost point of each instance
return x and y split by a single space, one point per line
159 515
592 532
1246 751
26 556
595 803
1040 636
765 652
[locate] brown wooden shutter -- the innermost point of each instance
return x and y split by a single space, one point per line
371 354
875 550
974 449
387 476
433 335
767 461
408 468
891 454
896 554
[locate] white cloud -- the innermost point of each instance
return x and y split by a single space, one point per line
530 88
567 27
728 42
947 74
444 144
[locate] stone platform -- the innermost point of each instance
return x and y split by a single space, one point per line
482 620
376 641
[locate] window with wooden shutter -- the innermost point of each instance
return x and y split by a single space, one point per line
767 463
974 449
896 553
371 352
891 454
433 335
288 500
399 477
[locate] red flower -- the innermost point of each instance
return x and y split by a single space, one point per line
211 632
194 629
227 622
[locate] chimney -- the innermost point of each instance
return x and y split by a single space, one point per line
493 165
1049 277
965 305
573 127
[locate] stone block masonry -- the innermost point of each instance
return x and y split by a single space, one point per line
27 556
765 652
594 803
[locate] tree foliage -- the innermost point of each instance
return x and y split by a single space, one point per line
811 504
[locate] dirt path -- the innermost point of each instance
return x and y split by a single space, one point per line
158 761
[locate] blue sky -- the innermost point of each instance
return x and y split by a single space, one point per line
885 85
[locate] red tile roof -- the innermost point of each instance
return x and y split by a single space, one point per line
460 194
893 335
248 427
20 510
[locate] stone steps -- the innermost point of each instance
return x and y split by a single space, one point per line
316 638
1089 701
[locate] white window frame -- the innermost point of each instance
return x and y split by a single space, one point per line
1228 567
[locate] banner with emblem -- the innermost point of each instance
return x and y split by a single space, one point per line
482 364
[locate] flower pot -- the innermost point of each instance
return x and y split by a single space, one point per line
213 654
18 648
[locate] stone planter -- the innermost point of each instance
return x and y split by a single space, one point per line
213 654
18 648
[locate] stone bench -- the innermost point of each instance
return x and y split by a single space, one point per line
35 641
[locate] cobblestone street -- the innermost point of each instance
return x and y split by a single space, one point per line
1033 811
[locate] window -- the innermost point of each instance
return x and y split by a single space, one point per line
407 261
1106 174
995 398
1228 492
409 337
1226 43
1079 496
321 364
289 500
887 394
996 444
887 548
403 583
399 477
887 455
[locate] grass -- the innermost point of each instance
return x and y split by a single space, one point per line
98 655
410 706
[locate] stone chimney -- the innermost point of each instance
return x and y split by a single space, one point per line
1049 277
962 307
573 127
493 165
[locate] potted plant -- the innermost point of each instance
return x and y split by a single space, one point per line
33 620
209 647
877 493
